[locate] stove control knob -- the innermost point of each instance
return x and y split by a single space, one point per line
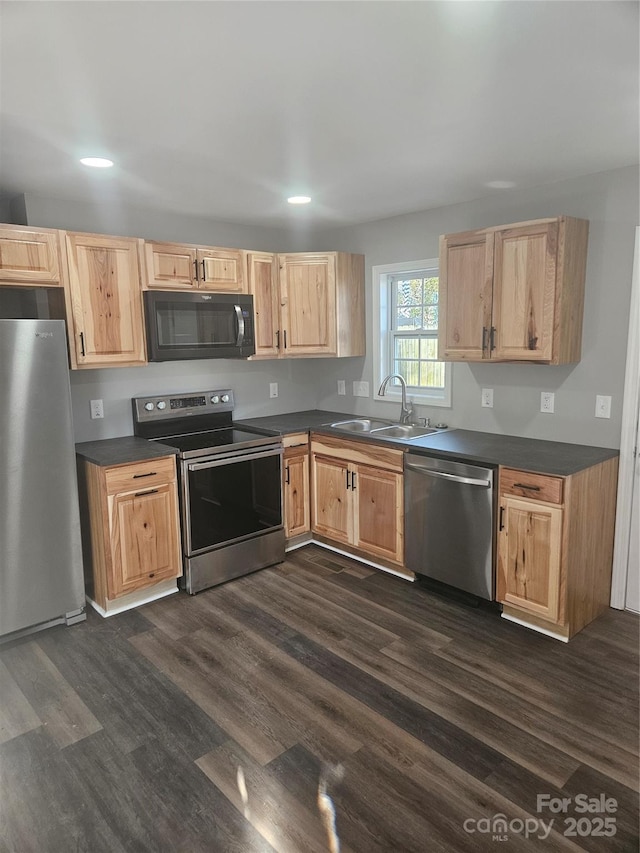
215 399
161 405
148 407
225 398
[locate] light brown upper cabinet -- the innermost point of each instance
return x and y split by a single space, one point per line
173 266
106 325
308 304
262 273
29 257
514 292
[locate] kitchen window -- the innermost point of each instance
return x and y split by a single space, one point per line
406 332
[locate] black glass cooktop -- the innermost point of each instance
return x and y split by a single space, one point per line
216 441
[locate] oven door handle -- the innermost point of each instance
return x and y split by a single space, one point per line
240 320
230 458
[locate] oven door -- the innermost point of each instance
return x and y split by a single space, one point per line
231 497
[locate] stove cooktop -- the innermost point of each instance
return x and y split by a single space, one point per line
215 441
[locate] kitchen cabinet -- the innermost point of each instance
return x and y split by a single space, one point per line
30 256
262 274
174 266
308 304
296 485
131 533
555 546
104 301
357 497
514 292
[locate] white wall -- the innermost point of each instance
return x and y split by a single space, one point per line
609 200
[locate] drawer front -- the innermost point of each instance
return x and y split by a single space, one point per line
139 476
537 487
359 452
297 439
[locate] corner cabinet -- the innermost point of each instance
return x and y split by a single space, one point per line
175 267
106 325
308 304
30 256
357 497
514 292
295 487
131 532
555 546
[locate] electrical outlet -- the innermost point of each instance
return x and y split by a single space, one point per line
273 389
603 407
342 390
487 398
97 409
547 402
360 389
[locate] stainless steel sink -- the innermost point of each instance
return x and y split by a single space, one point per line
383 429
360 425
406 431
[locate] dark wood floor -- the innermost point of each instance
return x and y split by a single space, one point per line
238 720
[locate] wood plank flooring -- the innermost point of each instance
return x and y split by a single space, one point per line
316 706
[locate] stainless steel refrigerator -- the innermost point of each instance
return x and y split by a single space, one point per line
41 577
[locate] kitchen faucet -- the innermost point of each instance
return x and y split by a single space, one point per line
406 409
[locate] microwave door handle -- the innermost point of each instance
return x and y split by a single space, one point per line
240 320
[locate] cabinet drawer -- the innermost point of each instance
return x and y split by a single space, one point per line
298 439
140 475
358 452
538 487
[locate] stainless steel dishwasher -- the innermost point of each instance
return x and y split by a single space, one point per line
449 523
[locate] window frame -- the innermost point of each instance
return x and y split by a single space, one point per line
383 337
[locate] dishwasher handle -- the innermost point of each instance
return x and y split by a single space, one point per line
469 481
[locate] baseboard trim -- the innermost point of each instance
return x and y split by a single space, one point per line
311 541
135 599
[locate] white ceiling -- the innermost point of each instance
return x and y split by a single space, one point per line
222 109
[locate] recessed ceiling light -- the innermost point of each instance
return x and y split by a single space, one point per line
500 185
97 162
299 199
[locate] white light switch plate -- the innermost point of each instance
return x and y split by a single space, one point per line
273 389
360 389
342 390
603 406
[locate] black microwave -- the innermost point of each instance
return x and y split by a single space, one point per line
198 325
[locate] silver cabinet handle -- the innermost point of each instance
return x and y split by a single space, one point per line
240 320
469 481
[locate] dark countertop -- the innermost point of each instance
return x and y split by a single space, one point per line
295 421
528 454
119 451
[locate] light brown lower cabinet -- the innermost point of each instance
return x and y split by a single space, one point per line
295 477
131 527
357 497
555 546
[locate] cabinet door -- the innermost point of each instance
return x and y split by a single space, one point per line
529 551
104 284
466 272
263 285
221 270
524 287
145 540
379 512
169 265
296 493
332 513
29 257
308 304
